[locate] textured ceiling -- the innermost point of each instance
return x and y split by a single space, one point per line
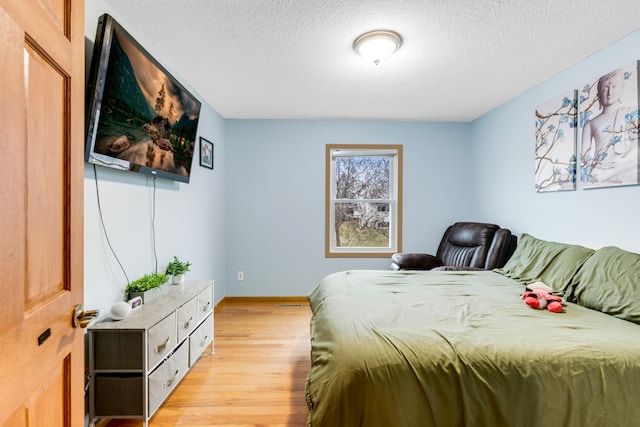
293 59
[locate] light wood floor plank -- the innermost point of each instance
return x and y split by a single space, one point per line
256 376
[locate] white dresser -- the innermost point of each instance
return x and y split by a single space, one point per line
135 363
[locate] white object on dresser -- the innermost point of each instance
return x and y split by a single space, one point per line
136 362
120 310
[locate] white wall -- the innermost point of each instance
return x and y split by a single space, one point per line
503 152
189 218
276 196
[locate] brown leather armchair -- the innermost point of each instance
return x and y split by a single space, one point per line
464 246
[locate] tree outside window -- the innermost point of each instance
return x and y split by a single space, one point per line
363 215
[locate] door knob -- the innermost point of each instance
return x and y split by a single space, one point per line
82 317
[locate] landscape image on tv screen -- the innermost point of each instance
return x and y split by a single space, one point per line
145 117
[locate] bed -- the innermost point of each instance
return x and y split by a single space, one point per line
460 348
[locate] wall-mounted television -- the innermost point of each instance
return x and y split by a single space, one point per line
139 117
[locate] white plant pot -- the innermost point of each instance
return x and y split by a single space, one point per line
178 279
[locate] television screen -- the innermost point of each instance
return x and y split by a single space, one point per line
139 117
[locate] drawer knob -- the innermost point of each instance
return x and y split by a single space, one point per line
162 346
185 325
204 341
172 379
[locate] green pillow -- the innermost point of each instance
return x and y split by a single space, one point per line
553 263
610 282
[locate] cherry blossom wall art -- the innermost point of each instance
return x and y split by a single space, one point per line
556 133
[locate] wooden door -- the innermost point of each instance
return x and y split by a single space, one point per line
41 225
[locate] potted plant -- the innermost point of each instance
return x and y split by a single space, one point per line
147 287
177 268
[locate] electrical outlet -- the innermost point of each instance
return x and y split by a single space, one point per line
240 275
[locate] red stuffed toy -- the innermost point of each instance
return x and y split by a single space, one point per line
542 299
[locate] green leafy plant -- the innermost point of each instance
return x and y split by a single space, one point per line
177 267
146 282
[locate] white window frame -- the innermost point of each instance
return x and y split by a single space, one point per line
395 199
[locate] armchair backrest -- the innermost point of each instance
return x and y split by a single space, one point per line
475 244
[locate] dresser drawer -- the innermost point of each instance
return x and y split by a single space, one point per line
205 302
118 350
161 339
200 339
118 394
163 380
187 318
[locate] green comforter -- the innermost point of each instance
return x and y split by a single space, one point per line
409 348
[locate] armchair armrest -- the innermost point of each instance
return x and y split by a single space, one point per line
414 262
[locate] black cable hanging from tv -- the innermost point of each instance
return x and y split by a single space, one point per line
153 227
104 229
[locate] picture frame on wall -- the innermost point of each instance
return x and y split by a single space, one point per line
206 153
556 136
609 119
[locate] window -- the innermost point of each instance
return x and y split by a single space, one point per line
363 200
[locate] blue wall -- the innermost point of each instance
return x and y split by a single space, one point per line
261 210
482 170
503 153
276 196
189 218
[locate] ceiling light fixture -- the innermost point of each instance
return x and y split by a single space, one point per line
377 46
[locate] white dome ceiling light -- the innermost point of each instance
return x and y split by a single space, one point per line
377 46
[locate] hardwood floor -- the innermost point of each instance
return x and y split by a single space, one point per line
256 376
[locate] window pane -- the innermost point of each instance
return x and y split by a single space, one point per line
364 200
361 225
361 178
